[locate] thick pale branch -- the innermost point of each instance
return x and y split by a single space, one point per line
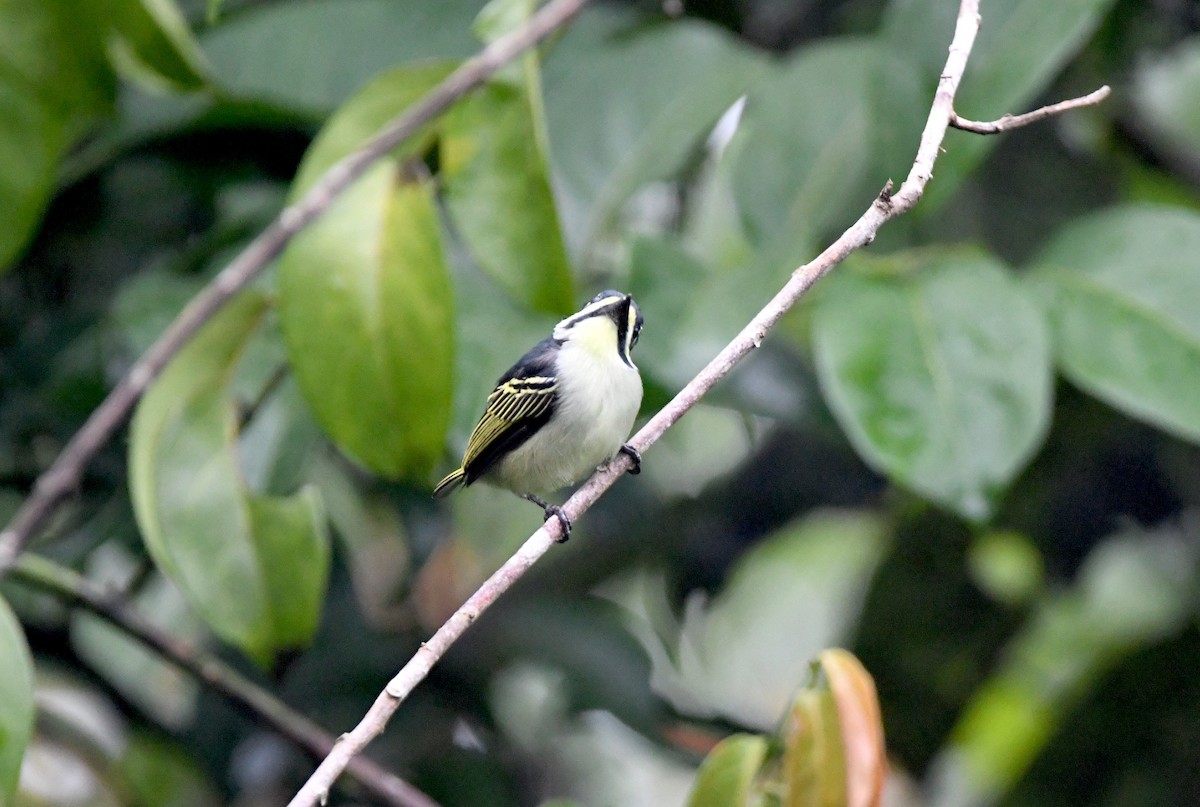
888 205
258 702
1009 122
57 482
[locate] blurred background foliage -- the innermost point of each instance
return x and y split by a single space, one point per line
970 456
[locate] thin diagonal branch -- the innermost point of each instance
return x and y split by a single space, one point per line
885 207
262 705
57 481
1007 123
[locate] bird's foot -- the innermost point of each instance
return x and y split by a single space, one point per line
555 511
633 454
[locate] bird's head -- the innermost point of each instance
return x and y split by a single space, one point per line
610 323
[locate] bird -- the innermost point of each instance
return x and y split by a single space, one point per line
565 408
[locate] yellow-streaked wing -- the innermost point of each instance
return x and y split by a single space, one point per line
515 409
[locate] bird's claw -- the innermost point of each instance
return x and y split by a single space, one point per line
555 511
633 454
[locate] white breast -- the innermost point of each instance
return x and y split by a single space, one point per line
598 400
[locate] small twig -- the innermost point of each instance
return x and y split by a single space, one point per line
264 394
63 475
45 574
1009 122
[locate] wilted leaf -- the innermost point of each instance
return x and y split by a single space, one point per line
1122 291
939 373
365 298
861 726
832 738
252 566
16 693
726 778
814 759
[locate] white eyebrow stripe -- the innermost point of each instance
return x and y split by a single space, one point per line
589 310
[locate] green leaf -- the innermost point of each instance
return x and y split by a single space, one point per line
311 71
1133 590
628 106
365 298
938 372
805 582
726 778
800 160
253 567
498 192
810 154
1121 289
1021 46
54 82
1165 94
154 45
16 693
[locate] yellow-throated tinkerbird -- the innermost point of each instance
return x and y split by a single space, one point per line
563 409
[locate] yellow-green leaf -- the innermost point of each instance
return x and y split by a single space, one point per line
726 778
252 566
16 697
365 299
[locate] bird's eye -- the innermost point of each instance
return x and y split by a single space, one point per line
637 331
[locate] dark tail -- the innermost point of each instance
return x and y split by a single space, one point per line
450 484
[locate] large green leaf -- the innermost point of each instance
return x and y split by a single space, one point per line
804 158
938 371
16 694
252 566
498 192
726 778
1021 45
628 106
54 81
1122 289
365 298
310 69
